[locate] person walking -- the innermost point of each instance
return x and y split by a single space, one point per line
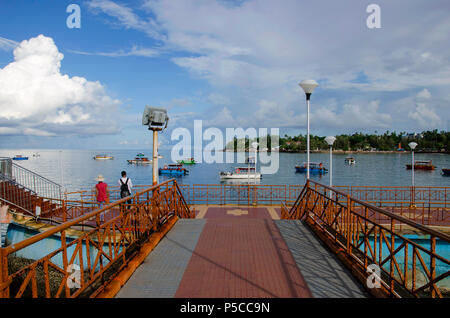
126 186
101 194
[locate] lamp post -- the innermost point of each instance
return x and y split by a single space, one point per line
330 141
156 119
413 146
308 86
255 146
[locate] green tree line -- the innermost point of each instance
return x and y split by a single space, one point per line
428 141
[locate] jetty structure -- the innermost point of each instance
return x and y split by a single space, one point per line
221 240
232 240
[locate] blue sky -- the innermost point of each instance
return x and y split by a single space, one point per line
228 63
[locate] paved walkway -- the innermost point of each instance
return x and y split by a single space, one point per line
232 252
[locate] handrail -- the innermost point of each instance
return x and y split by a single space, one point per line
362 234
114 241
394 216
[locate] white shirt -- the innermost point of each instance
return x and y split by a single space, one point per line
130 185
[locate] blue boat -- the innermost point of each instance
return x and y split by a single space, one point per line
174 170
446 172
20 157
314 167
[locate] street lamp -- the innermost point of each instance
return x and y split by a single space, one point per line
156 119
413 146
255 146
308 86
330 141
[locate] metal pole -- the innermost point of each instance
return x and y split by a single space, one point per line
413 192
307 136
412 165
155 157
331 166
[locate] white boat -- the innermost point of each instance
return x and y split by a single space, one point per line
241 173
103 157
350 160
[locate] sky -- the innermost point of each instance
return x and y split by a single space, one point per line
229 63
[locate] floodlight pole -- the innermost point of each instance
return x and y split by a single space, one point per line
155 157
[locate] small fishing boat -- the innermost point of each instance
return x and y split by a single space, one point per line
421 165
314 167
173 169
350 160
140 160
241 173
103 157
20 157
189 161
36 155
446 172
250 160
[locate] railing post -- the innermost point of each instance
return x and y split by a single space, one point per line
348 224
433 265
391 251
4 291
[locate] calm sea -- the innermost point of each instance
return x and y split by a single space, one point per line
77 169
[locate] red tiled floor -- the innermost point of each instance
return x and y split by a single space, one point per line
237 212
242 257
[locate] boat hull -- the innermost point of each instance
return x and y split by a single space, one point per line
312 170
140 162
23 158
419 167
173 172
446 172
240 176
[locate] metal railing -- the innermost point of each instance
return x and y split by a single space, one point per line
29 179
364 235
98 253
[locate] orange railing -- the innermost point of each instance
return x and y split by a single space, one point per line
365 236
96 254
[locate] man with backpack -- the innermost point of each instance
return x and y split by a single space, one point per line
125 186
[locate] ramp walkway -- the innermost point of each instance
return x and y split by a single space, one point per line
240 252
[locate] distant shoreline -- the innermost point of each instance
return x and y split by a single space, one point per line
353 151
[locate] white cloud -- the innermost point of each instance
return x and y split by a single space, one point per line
7 44
126 17
37 99
256 51
134 51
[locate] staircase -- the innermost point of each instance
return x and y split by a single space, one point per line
25 190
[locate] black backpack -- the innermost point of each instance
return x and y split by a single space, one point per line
124 192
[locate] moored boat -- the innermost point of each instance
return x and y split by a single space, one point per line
314 167
421 165
189 161
19 157
446 172
241 173
174 169
103 157
140 159
350 160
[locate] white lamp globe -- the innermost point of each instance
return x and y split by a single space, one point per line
330 140
308 86
412 145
